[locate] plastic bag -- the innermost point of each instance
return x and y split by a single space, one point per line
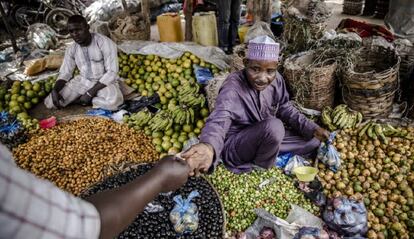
311 233
346 216
295 161
284 229
42 36
184 215
328 154
283 159
99 112
134 106
153 207
203 75
313 191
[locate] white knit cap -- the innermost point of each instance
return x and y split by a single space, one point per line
263 48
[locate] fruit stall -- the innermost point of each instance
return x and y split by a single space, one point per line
348 85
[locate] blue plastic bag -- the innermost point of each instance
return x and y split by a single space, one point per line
345 216
328 154
184 215
203 75
283 159
100 112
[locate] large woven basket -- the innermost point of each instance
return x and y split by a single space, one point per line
353 7
313 86
143 33
301 35
371 81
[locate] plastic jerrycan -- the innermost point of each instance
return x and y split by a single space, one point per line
169 27
205 29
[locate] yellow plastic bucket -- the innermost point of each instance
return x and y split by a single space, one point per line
169 27
305 173
242 33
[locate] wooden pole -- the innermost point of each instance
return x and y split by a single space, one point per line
145 9
262 10
189 20
8 28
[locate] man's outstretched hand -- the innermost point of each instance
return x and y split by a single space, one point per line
199 157
321 134
173 172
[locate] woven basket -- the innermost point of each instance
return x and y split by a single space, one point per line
143 28
371 81
352 7
238 56
301 35
318 81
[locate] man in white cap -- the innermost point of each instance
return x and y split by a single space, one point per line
247 126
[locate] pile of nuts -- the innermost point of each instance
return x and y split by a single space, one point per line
80 153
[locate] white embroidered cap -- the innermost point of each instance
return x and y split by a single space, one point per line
263 48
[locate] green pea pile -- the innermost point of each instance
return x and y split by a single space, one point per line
242 193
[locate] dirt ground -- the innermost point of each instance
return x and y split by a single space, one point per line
41 112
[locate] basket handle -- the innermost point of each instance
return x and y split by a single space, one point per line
125 7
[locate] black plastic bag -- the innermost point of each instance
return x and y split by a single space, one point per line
134 106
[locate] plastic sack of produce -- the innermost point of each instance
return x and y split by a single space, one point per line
328 154
311 233
345 216
203 74
295 161
283 229
42 36
184 215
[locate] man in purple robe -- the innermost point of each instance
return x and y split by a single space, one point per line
247 126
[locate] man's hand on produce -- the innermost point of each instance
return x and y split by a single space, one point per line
321 134
56 98
85 99
199 157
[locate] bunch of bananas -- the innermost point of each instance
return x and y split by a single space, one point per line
183 115
341 117
161 121
138 120
381 131
188 95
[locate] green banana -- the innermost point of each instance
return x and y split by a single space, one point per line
364 129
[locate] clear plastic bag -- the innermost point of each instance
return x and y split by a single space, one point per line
345 216
311 232
184 215
328 154
153 207
295 161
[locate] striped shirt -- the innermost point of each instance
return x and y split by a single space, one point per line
34 208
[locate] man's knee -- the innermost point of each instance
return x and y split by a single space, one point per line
273 130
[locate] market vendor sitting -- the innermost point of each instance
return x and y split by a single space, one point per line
96 58
248 126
